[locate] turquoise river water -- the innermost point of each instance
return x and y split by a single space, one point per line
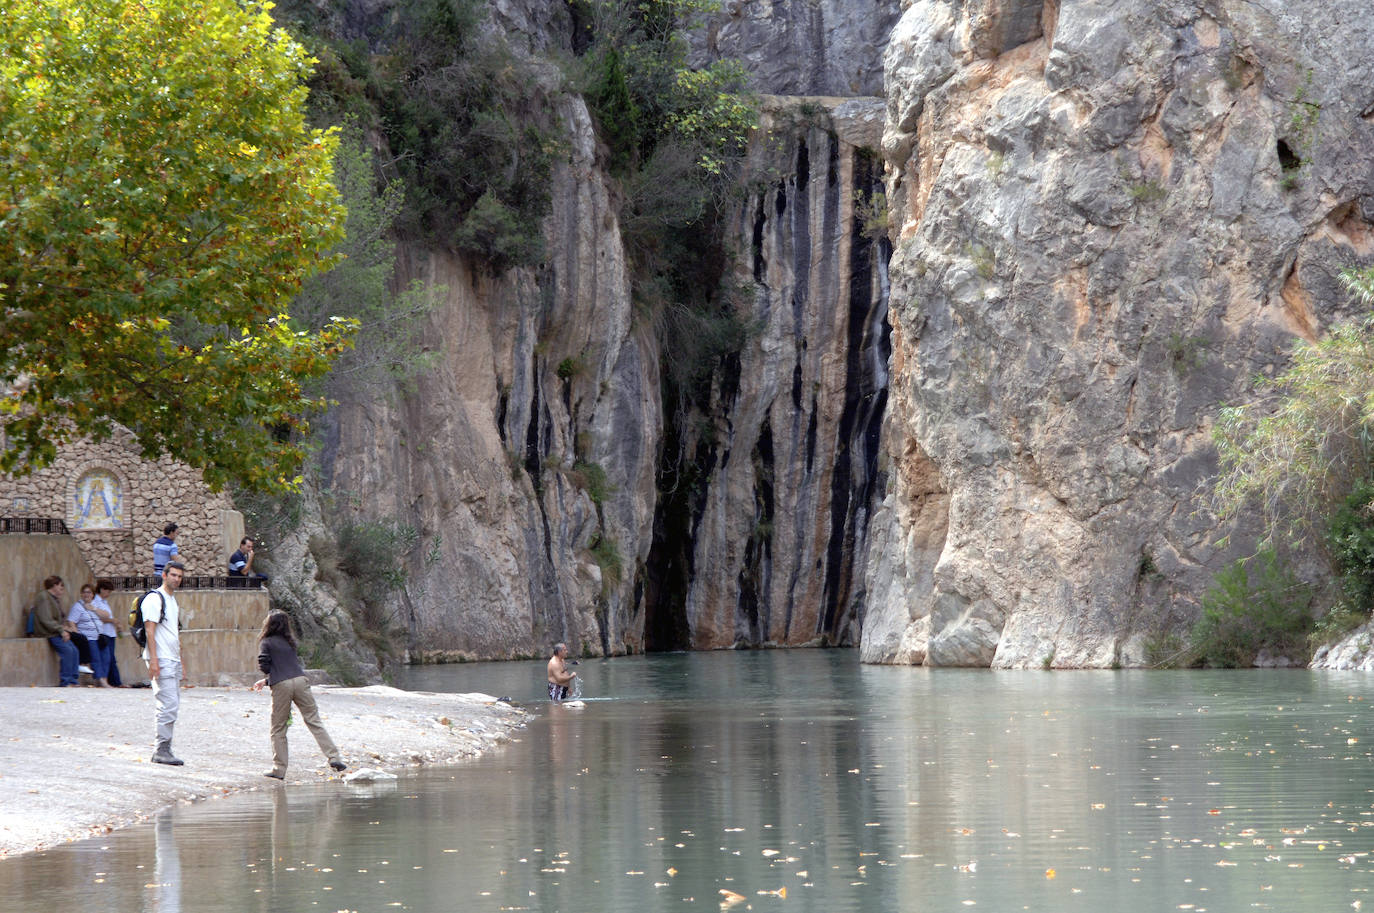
800 781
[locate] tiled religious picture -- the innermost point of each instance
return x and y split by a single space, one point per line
99 501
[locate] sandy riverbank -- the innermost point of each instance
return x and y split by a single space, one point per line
74 761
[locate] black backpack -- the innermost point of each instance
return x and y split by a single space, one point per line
140 634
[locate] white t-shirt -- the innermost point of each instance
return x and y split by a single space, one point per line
106 627
86 621
168 636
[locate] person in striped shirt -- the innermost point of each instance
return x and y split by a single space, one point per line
165 548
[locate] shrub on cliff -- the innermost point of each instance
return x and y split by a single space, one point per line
161 200
1255 605
1300 447
470 131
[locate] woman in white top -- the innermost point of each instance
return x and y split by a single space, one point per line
87 622
109 629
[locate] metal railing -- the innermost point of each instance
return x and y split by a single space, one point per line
151 582
42 525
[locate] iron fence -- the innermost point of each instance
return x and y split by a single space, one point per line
41 525
151 582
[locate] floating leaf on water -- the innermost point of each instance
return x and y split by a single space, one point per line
1050 873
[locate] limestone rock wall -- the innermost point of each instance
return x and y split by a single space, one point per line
802 47
1111 215
548 379
541 375
778 529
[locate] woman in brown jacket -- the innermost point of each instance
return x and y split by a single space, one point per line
278 660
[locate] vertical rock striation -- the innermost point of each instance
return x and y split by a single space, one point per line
543 382
802 47
1112 215
775 530
553 498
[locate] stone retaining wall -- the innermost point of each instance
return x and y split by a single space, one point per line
219 641
116 503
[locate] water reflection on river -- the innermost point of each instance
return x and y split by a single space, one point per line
851 787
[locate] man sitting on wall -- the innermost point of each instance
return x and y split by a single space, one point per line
50 621
241 562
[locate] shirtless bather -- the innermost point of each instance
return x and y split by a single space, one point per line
559 676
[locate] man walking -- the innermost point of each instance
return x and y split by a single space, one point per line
161 619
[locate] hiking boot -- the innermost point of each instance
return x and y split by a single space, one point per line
163 755
338 765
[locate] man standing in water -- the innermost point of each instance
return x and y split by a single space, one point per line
161 617
559 676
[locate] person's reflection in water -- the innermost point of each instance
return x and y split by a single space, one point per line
166 890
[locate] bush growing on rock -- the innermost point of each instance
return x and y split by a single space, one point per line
1255 605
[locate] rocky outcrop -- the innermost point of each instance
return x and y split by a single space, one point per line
1110 216
1354 651
535 461
525 458
802 47
770 542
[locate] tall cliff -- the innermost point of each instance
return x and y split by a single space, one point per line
558 490
1111 216
762 536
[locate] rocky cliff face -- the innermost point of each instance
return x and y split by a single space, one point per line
1111 215
802 47
536 461
543 380
769 543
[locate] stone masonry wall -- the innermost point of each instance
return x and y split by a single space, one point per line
116 503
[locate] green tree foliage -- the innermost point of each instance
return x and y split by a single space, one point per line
676 139
1350 541
1299 449
1255 604
388 349
157 174
644 95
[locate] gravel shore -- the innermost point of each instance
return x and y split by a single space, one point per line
74 761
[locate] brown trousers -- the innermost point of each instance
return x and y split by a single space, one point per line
284 694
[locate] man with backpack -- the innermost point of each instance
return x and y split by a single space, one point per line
161 617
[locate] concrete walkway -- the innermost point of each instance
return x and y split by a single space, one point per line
74 761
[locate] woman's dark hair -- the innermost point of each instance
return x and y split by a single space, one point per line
278 623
